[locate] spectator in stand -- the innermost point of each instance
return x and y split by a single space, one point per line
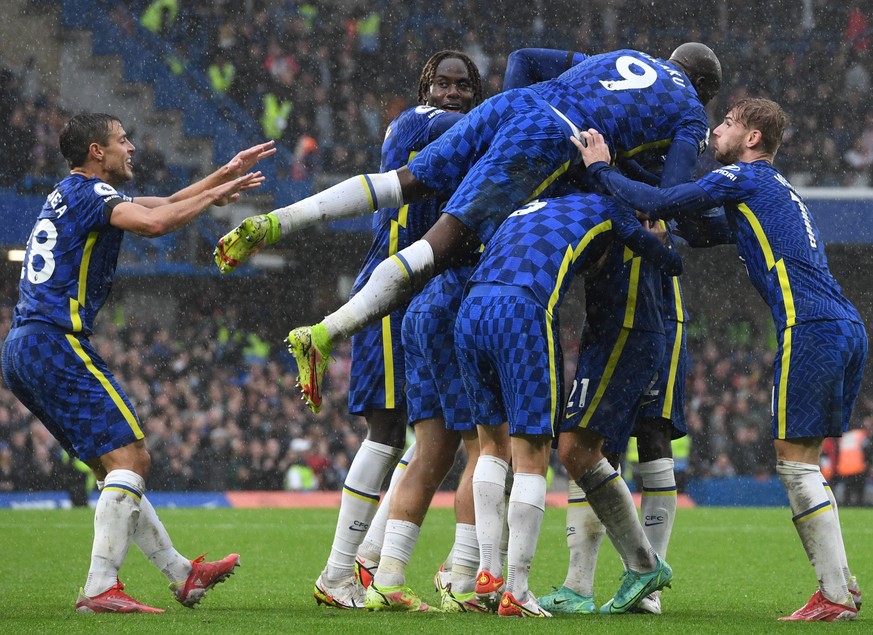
151 163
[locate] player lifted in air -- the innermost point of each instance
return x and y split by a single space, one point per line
504 153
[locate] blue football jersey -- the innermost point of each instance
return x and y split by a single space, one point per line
638 102
71 256
543 245
625 293
396 228
779 242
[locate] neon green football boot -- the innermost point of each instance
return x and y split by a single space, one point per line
311 348
245 240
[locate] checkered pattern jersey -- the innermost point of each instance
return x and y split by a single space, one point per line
377 373
779 243
71 256
636 101
544 244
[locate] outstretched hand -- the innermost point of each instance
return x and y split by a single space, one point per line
592 146
246 159
227 193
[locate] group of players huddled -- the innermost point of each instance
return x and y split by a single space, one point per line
484 211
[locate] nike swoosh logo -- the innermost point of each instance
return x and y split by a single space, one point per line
560 601
353 528
648 524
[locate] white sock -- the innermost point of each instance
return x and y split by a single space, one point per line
115 520
400 539
392 282
611 500
584 535
153 540
360 499
844 564
489 501
465 558
372 546
816 525
357 196
658 507
527 505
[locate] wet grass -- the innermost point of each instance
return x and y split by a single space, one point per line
736 571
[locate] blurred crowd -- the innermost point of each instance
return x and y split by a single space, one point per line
217 403
325 78
221 411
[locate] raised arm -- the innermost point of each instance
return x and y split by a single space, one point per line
531 65
244 161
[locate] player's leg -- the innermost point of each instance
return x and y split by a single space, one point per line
527 503
95 422
391 284
378 454
489 500
659 495
460 592
817 376
369 553
610 498
584 536
434 457
353 197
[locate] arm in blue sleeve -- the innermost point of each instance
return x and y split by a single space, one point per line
705 230
679 164
655 202
635 236
529 66
443 123
637 172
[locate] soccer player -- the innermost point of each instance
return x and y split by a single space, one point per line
440 413
507 151
619 399
506 340
620 350
449 86
822 342
49 364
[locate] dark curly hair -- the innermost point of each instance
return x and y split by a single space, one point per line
429 72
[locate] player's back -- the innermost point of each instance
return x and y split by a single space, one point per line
625 293
71 257
544 244
635 100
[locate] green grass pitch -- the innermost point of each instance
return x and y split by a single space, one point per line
736 571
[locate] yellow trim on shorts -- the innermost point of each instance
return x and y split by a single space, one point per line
782 412
618 348
107 386
388 361
673 371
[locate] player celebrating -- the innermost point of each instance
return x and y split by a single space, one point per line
822 342
506 151
506 340
49 364
449 86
